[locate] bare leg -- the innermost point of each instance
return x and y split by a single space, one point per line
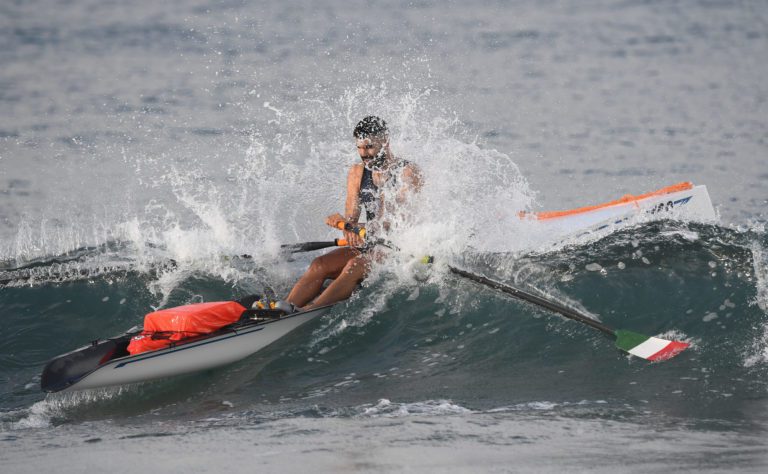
342 287
330 265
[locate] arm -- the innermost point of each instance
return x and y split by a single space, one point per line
410 184
351 207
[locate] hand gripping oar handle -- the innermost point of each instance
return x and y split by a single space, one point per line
359 230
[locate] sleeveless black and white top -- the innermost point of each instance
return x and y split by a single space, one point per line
370 194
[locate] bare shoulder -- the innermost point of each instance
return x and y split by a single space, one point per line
412 172
411 168
355 171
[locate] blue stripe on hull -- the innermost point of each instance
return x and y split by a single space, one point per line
182 348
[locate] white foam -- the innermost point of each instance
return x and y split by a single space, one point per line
388 409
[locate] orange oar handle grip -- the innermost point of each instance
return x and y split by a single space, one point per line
341 242
359 230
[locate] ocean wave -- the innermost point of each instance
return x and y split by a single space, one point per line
446 343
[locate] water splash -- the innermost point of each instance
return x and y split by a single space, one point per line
58 407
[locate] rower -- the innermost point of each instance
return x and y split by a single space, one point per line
367 181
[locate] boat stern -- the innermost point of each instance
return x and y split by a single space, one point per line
67 369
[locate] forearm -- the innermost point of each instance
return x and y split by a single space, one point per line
352 210
352 204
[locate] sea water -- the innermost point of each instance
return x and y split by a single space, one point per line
145 146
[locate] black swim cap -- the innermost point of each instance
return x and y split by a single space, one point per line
370 127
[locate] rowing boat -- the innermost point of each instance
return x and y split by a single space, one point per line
107 362
682 201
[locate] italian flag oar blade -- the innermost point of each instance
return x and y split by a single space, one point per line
649 348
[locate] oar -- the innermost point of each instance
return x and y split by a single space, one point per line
311 246
649 348
285 249
319 245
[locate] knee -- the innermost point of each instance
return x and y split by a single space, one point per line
356 266
319 267
316 267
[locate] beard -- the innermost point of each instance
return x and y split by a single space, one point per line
377 162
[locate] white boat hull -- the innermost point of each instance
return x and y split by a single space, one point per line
194 356
689 205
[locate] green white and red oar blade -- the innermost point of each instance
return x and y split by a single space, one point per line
649 348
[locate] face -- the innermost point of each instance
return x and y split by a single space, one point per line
372 151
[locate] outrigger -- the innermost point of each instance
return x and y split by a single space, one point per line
684 201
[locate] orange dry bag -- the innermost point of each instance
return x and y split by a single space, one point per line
165 327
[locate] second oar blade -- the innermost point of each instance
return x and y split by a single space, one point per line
649 348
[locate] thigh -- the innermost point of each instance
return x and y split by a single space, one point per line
332 263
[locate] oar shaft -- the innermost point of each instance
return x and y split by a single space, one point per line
534 299
310 246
